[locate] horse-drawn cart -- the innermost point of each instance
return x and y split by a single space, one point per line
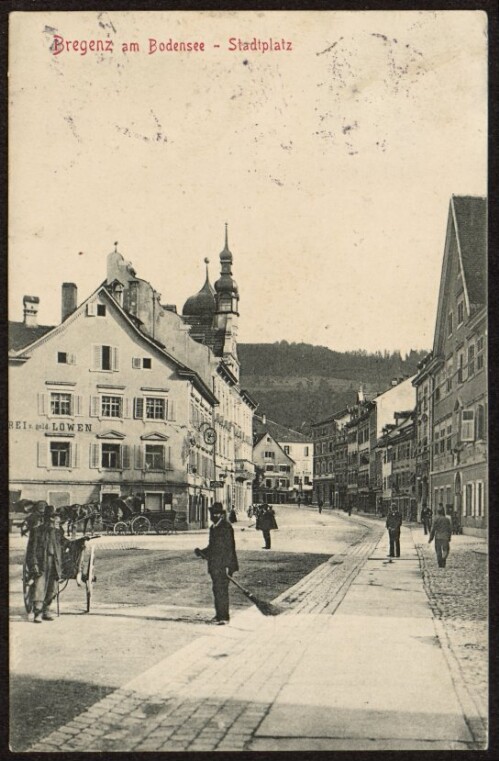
78 560
123 516
78 564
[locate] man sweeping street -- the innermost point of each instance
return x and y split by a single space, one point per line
222 559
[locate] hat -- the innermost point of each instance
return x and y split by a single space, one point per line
217 508
49 511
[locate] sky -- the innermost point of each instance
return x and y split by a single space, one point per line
332 162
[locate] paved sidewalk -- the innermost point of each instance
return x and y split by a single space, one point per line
354 663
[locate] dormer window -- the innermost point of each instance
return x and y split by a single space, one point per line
64 358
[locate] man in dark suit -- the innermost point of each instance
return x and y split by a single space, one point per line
222 559
426 518
393 524
267 523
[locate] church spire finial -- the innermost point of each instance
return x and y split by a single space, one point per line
226 236
116 246
207 261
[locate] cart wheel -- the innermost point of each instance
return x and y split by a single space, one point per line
89 581
28 590
141 525
164 527
121 527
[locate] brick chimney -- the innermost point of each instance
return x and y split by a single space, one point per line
264 419
30 304
69 300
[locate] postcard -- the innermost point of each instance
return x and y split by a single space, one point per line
248 402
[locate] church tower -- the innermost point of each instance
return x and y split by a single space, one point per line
227 307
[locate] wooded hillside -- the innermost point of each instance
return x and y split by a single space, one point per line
296 384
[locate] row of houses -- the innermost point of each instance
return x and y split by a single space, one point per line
423 441
349 450
126 397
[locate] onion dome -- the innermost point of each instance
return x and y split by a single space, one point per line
226 283
203 303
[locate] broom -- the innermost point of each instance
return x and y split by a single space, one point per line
263 606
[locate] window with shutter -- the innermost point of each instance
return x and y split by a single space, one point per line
471 360
139 457
480 422
479 499
480 344
94 455
111 456
42 454
92 309
61 403
138 407
96 357
60 454
467 425
136 363
111 406
125 454
469 498
155 456
94 406
171 410
42 404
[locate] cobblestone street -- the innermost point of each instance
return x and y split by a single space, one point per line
289 682
458 599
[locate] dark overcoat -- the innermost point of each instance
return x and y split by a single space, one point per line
42 539
221 549
267 521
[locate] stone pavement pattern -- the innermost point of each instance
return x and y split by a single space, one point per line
304 680
458 598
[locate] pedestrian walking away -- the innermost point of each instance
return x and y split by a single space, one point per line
321 505
266 522
426 517
441 531
393 524
222 560
232 515
44 557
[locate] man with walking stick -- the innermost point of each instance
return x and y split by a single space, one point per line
222 560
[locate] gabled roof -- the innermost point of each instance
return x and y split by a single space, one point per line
470 216
279 432
182 370
467 223
264 435
21 335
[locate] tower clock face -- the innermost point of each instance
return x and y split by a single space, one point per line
210 435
